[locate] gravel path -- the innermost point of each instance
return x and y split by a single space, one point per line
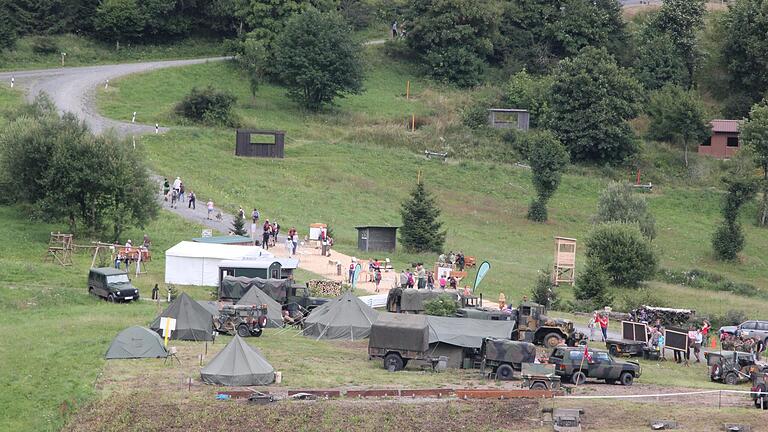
73 89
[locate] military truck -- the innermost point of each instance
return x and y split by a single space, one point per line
571 364
291 295
245 320
111 284
503 356
531 324
398 339
730 367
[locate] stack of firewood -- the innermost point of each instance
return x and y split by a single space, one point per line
667 316
324 288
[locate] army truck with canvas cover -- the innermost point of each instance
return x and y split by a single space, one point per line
571 364
398 339
502 356
292 296
531 324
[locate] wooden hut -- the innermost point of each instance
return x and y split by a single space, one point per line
272 147
376 238
724 141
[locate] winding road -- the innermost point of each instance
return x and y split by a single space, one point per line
73 89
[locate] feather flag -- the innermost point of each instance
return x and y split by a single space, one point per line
481 271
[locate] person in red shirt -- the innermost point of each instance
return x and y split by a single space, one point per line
705 326
602 319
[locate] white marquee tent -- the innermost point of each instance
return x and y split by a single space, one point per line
192 263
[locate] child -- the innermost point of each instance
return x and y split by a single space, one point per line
377 278
210 209
662 341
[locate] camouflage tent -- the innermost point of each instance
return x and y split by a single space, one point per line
346 317
255 296
136 342
508 351
238 364
193 322
234 288
412 299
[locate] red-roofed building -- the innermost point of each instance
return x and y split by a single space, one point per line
724 142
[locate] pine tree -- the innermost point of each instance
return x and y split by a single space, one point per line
238 225
421 228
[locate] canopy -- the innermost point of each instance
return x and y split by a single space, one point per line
136 342
234 288
238 364
192 263
346 317
193 322
255 296
467 333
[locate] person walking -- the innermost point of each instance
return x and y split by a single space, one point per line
174 198
603 321
377 279
430 281
241 212
421 274
210 209
181 192
267 228
351 271
166 189
155 292
460 261
404 279
394 30
192 199
255 216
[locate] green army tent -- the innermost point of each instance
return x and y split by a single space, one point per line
234 288
193 322
255 296
456 338
136 342
346 317
238 364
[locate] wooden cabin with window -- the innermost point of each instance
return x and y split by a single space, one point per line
724 141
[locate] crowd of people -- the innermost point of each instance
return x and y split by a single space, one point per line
456 260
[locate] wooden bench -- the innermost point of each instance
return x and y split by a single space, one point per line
439 155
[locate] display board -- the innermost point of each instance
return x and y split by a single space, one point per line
634 331
676 340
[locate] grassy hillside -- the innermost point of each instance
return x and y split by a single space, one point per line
332 173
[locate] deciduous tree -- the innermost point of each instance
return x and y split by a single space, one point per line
754 134
619 203
678 115
548 159
682 20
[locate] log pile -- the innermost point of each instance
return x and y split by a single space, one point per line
324 288
667 316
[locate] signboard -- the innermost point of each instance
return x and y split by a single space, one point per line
443 272
634 331
207 233
676 340
168 325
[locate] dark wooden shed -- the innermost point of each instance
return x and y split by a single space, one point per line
256 143
376 238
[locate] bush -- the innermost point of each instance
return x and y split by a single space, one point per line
444 305
710 281
544 292
209 106
619 203
475 115
548 159
518 143
526 91
44 45
358 14
623 252
727 241
592 286
731 317
537 211
634 299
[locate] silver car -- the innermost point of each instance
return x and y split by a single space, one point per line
754 329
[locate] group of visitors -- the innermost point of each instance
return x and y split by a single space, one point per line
269 234
600 321
733 342
129 253
176 193
374 272
456 260
422 279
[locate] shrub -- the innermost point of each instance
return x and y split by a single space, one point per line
548 158
537 211
475 115
592 286
526 91
209 106
619 203
731 317
44 45
543 291
703 279
727 241
623 252
444 305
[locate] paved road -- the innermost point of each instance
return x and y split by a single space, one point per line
73 89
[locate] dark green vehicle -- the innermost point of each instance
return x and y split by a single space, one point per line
111 284
503 356
572 366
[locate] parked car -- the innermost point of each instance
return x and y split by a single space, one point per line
572 366
753 329
111 284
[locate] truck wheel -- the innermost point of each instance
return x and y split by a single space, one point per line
111 298
539 386
578 378
242 330
393 362
504 372
731 378
627 378
613 350
551 340
256 332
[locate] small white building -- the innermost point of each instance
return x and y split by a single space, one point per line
192 263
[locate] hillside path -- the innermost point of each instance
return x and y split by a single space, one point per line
73 89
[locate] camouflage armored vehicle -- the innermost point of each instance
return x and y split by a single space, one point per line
540 377
503 356
571 365
730 367
245 320
760 389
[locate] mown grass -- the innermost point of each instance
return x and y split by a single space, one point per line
82 51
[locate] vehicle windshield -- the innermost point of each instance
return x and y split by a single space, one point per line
121 278
601 356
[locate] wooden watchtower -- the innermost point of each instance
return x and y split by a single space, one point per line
565 261
60 248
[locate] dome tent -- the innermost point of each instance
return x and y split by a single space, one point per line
346 317
136 342
193 322
255 296
238 364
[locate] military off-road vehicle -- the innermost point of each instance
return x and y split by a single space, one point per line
730 367
111 284
531 324
502 357
760 389
571 364
245 320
